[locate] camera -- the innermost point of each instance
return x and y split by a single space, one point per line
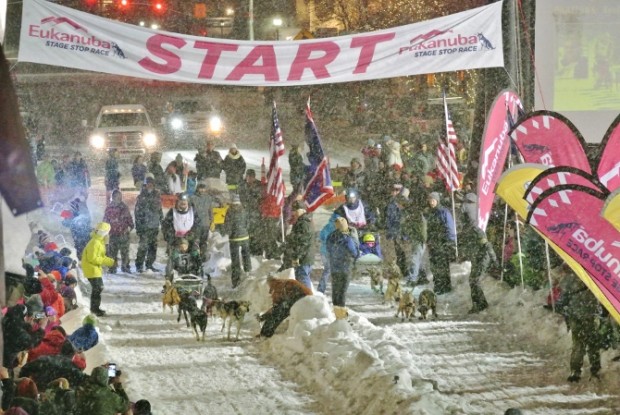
111 370
39 315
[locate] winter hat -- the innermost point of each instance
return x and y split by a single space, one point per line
34 304
182 241
342 225
79 361
355 160
435 196
44 238
50 246
67 348
50 311
62 383
103 228
370 142
235 200
70 279
90 319
233 145
142 407
250 172
15 411
26 388
150 177
65 251
56 275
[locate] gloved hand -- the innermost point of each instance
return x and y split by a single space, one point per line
295 262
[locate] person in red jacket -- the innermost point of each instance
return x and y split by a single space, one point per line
284 293
50 345
117 214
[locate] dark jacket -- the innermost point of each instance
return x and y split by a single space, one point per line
58 401
355 179
138 172
78 174
236 224
84 338
96 397
119 218
251 196
208 164
17 334
161 182
234 169
203 205
341 251
112 175
299 243
413 225
393 216
47 368
440 227
298 168
148 212
477 249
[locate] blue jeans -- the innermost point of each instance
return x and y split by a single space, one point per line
302 274
417 259
326 272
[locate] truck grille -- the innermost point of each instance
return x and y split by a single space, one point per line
125 140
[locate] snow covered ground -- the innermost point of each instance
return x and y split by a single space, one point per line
515 354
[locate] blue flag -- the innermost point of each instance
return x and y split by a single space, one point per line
318 181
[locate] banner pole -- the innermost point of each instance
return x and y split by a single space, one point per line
549 276
456 238
519 245
501 275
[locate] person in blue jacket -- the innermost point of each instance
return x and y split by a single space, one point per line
342 250
329 227
86 337
441 243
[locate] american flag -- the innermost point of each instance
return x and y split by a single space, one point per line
275 183
318 181
446 153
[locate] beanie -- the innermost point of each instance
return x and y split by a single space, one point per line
34 304
142 407
67 348
342 225
90 319
435 196
26 388
79 361
235 200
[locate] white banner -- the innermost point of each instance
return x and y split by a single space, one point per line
60 36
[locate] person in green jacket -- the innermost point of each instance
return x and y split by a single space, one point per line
93 260
101 395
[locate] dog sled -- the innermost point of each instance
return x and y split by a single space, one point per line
188 283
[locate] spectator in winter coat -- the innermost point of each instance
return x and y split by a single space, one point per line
99 397
138 172
85 337
121 223
298 168
423 161
441 243
329 227
414 227
208 163
355 177
581 309
58 399
284 294
371 156
148 214
93 260
49 295
50 345
236 226
234 167
79 224
203 203
343 251
17 334
45 369
23 393
46 176
77 173
479 251
112 174
67 291
159 177
298 247
174 180
142 407
394 233
392 148
251 193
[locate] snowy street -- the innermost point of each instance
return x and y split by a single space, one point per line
515 354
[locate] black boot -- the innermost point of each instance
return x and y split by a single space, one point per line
575 376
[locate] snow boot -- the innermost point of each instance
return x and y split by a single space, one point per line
574 377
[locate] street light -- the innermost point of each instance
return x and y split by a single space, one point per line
277 22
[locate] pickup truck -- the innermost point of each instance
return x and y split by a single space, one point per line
125 127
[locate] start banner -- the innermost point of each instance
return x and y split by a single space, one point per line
56 35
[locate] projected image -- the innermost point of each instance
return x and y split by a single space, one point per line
587 66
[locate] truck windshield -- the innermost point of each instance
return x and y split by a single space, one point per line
123 120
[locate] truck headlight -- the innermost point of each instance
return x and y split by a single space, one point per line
176 123
215 124
150 139
97 141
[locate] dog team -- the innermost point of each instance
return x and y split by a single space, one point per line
395 295
185 300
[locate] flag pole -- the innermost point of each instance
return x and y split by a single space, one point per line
549 276
519 245
282 223
501 275
456 238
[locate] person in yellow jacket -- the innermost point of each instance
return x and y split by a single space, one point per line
93 260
